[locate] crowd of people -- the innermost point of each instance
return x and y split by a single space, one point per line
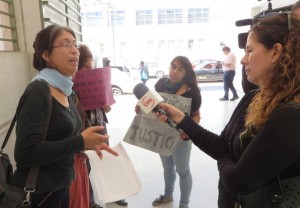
258 145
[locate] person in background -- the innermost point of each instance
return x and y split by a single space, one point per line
95 116
56 59
229 73
144 72
182 81
261 140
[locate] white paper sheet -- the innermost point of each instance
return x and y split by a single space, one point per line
113 178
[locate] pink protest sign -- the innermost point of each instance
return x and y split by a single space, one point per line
93 87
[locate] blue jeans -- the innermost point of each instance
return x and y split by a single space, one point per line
228 83
180 159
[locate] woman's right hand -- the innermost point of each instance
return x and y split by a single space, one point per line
137 108
92 138
172 112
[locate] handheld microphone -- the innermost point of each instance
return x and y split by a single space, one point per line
149 100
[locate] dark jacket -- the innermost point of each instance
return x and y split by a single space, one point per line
245 167
53 156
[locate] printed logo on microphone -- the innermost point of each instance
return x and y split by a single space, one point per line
148 102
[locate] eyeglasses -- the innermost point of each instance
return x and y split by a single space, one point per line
68 45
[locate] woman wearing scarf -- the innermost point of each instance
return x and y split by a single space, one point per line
182 81
56 59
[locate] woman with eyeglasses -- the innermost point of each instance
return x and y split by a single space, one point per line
182 81
56 59
260 144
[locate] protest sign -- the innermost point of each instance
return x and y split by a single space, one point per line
94 87
147 132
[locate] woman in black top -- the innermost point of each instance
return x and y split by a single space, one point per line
56 59
182 81
261 141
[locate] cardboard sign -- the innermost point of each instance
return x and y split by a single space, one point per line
93 87
147 132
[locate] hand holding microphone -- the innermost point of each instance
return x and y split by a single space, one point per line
174 113
151 101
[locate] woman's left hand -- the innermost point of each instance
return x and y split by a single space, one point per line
106 108
183 136
104 146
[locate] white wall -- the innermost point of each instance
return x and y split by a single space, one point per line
16 66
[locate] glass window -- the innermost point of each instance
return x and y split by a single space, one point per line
171 45
117 18
161 45
198 15
190 44
144 17
8 33
169 16
180 44
93 18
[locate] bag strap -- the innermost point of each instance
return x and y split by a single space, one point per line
34 170
11 127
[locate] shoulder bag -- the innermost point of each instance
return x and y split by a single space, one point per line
279 194
10 195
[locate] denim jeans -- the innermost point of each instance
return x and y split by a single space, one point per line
228 83
180 159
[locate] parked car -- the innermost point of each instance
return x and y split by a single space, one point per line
199 63
156 70
209 71
122 81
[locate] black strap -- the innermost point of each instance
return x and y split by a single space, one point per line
11 127
34 170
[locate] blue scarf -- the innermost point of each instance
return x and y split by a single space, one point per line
56 79
171 88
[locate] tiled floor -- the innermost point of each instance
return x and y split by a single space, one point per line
214 114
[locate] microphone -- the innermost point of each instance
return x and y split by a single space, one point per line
149 100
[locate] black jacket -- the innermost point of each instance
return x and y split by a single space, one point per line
55 155
273 151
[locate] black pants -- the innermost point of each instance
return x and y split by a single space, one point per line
228 83
225 199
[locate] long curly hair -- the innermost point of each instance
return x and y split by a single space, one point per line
284 81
